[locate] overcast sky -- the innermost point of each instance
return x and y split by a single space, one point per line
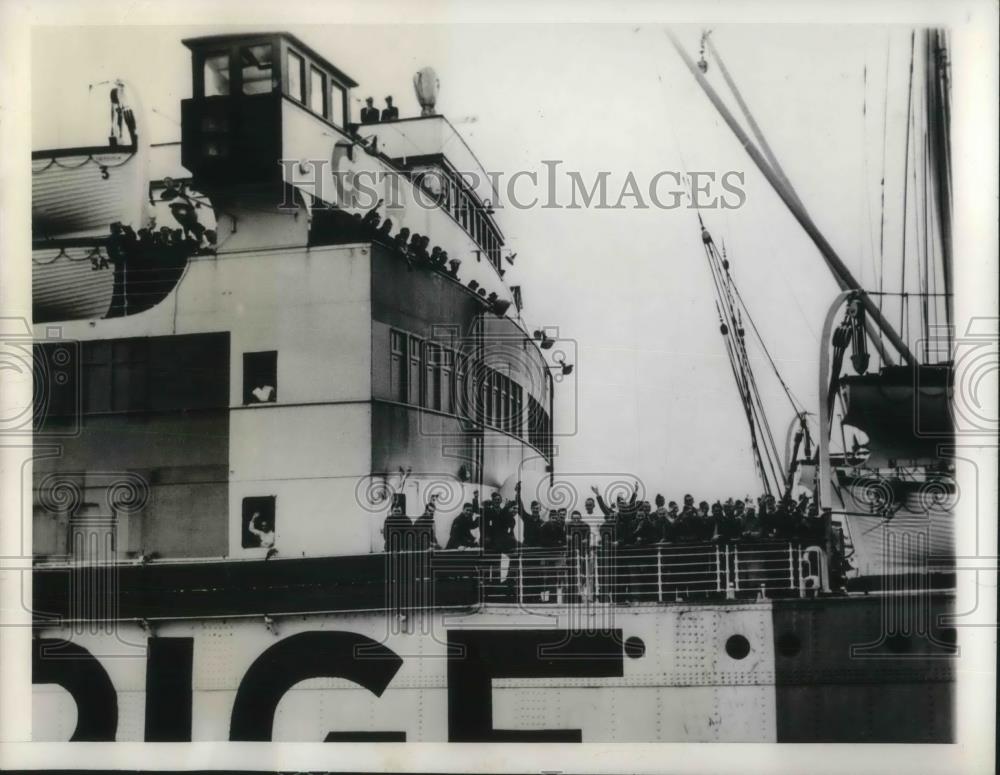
653 394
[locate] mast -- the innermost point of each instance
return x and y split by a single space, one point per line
837 267
939 150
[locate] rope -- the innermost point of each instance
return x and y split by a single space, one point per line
63 253
54 161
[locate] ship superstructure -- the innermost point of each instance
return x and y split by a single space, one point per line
304 350
304 325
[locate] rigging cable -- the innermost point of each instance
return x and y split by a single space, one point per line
739 376
885 136
906 189
729 309
772 449
797 405
866 174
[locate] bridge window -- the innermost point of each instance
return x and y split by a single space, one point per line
258 69
296 77
317 92
217 74
337 105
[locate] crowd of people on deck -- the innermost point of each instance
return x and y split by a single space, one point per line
414 248
623 523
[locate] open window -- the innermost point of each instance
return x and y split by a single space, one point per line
216 74
260 377
259 522
257 63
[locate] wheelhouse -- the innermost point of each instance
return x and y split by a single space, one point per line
232 124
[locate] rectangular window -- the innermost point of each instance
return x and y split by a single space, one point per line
447 370
476 453
508 409
257 69
434 372
216 74
461 400
414 374
517 397
336 116
535 432
397 366
259 522
260 377
317 92
432 383
498 417
188 372
296 77
484 405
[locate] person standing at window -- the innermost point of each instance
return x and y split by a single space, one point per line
260 527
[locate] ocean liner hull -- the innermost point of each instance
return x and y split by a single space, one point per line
785 670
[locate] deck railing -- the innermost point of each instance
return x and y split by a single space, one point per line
655 574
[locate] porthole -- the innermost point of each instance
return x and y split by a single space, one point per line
737 646
634 648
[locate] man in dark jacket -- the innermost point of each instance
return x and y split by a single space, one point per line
498 525
461 529
369 113
553 532
390 112
646 530
395 527
425 529
578 532
530 520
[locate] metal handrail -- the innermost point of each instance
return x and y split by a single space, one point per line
654 573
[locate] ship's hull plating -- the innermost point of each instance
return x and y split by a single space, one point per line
859 669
